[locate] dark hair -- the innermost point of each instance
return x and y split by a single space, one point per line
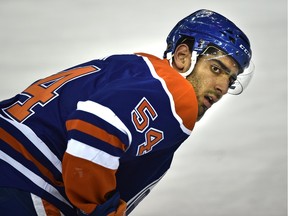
189 41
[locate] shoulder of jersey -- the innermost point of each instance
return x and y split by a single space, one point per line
182 92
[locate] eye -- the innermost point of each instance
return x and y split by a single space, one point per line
216 69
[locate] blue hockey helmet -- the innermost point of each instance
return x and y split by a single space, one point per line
207 28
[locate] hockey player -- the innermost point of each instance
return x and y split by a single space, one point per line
95 139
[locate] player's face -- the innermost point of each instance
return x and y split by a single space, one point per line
211 78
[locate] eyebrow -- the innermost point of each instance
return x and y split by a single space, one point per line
223 66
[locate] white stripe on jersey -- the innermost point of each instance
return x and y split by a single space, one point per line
37 142
38 205
37 180
172 105
106 114
81 150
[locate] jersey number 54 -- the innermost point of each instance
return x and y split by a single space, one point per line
141 117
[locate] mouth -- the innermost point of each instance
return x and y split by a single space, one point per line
209 100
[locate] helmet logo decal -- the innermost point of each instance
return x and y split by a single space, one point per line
246 51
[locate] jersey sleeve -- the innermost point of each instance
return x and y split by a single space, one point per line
96 140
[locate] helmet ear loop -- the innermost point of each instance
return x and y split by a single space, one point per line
193 63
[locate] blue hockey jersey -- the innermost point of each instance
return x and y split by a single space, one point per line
105 127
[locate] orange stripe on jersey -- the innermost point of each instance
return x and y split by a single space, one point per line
95 131
16 145
50 209
86 183
183 93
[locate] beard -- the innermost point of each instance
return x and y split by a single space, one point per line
197 85
202 92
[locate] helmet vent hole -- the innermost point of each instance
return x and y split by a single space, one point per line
229 31
232 39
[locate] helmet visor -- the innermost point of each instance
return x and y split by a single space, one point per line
224 63
242 81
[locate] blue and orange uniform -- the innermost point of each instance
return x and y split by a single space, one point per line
95 138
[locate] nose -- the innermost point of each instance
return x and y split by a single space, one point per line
222 86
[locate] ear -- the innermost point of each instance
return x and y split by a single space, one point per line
181 57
